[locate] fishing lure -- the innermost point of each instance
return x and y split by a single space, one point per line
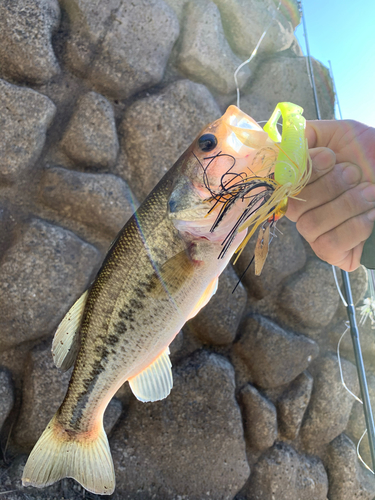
292 169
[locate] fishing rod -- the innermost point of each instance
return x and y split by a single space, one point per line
348 294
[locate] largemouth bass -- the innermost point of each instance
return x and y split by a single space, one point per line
161 270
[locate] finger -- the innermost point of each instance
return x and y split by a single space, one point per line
343 245
323 160
350 140
324 218
324 189
334 134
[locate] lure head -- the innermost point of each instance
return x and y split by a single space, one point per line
217 166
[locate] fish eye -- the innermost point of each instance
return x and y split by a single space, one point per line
207 142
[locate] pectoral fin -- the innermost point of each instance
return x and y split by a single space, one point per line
65 343
155 382
172 274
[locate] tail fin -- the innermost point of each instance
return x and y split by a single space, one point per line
56 455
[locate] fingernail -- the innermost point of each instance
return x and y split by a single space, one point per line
351 175
371 215
369 193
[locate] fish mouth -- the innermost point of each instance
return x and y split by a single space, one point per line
190 214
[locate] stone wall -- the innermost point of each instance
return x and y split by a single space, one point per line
97 101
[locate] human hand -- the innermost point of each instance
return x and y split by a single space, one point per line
339 212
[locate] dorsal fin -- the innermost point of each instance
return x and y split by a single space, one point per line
155 382
65 343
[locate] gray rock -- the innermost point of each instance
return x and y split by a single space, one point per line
286 256
244 23
295 49
103 202
274 356
26 52
347 479
283 474
205 55
9 227
14 361
112 414
290 11
176 344
43 392
310 297
260 419
330 405
286 79
121 47
292 405
357 425
41 275
90 139
25 116
6 395
158 129
217 323
196 431
178 6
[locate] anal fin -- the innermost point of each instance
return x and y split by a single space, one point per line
65 343
155 382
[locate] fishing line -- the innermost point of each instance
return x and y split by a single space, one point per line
338 286
253 54
243 274
359 455
340 366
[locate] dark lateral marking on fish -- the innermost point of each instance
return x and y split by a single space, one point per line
140 293
83 396
127 314
121 327
150 286
136 304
